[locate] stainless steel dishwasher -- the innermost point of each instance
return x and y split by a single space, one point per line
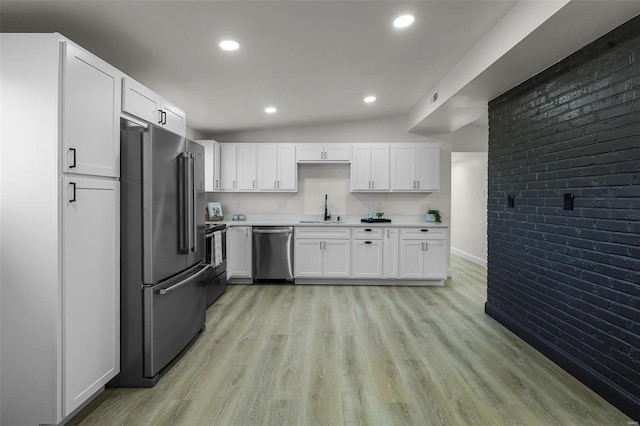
272 253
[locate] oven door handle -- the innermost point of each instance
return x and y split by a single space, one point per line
183 282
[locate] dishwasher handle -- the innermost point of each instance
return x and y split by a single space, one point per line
272 231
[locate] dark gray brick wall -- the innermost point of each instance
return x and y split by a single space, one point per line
569 280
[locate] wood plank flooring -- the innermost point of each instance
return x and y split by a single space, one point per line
357 355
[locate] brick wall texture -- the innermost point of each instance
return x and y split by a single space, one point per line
571 278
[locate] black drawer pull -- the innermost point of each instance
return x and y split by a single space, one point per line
367 242
368 230
424 230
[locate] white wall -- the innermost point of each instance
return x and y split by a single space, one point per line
469 205
316 180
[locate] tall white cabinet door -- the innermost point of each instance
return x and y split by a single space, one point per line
307 258
390 247
287 167
228 171
91 114
246 167
411 259
361 168
402 167
435 260
336 258
428 167
91 289
267 169
379 167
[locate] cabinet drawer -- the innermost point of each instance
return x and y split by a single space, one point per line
425 233
367 233
323 233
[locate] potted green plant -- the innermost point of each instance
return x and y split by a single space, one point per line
433 216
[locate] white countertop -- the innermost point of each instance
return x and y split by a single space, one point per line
397 221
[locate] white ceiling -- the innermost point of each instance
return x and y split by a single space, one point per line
314 60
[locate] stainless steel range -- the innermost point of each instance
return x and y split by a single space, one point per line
216 258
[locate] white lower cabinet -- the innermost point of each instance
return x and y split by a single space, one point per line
390 256
239 252
91 307
367 258
423 254
322 252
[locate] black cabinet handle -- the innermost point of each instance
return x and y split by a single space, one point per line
367 230
367 242
160 112
164 117
73 166
424 230
73 199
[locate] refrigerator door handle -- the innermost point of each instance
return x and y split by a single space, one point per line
194 219
185 234
183 282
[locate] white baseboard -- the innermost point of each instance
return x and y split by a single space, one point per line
475 259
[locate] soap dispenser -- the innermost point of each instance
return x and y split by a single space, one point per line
369 212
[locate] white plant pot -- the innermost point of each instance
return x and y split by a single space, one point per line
430 218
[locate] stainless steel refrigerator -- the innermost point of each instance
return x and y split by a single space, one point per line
162 250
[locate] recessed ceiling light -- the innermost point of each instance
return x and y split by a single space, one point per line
370 99
271 110
229 45
403 21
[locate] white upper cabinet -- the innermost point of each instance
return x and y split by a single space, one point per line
323 153
147 105
211 165
238 167
228 159
246 165
91 114
415 167
370 167
277 169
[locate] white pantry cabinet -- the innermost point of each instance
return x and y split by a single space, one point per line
211 165
415 167
91 314
239 252
323 153
369 167
147 105
322 252
60 246
277 168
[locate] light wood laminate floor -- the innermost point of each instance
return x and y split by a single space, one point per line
357 355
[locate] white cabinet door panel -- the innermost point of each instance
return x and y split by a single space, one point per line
428 169
228 159
379 167
246 167
435 260
140 101
174 119
307 258
287 167
239 253
267 168
390 256
411 259
91 114
91 290
361 168
403 167
367 259
336 258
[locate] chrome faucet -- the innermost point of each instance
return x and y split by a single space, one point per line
327 216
